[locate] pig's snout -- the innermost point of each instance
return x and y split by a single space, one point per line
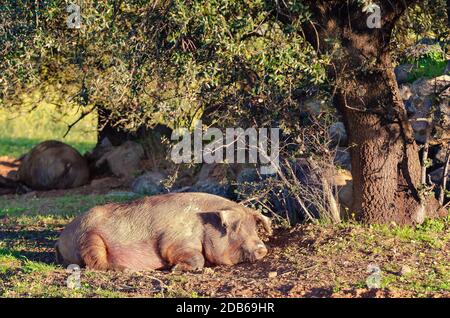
257 253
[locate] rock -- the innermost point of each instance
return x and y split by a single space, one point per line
214 179
405 270
405 91
107 182
410 109
222 189
313 106
440 155
429 86
420 131
403 72
248 181
248 175
423 48
214 171
338 134
124 160
342 158
345 195
150 183
444 109
447 69
419 105
436 175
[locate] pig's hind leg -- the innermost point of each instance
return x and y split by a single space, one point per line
94 252
186 259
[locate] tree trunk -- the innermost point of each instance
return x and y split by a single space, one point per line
386 168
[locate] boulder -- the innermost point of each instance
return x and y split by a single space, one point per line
150 183
248 180
438 154
338 134
222 189
406 91
123 161
313 106
214 179
436 175
420 98
342 158
429 86
403 72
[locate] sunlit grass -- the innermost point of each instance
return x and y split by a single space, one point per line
44 209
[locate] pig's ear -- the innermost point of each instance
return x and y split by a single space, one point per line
265 221
230 220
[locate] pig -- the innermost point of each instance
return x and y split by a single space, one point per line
182 231
53 165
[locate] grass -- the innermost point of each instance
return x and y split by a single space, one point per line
431 232
66 206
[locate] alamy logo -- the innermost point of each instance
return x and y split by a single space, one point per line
230 148
74 19
74 279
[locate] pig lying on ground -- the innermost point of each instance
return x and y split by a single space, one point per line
181 230
53 165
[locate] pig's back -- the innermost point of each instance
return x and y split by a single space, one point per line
147 218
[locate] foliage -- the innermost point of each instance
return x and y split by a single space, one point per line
425 20
429 61
157 61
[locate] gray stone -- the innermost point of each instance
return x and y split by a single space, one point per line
410 109
124 160
436 175
419 107
149 183
214 179
420 132
248 180
338 134
313 106
248 175
440 155
342 158
405 91
402 72
222 189
429 86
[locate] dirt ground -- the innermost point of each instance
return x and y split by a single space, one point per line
310 260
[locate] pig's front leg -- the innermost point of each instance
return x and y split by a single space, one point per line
186 259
